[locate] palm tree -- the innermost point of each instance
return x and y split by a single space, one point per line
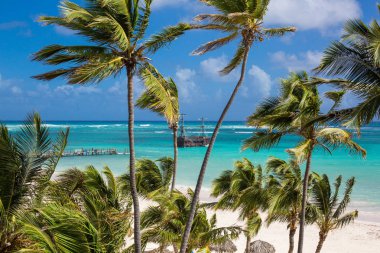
356 59
161 96
242 189
328 211
294 112
28 159
151 178
84 211
241 20
164 224
285 195
116 31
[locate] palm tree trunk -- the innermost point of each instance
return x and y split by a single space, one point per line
132 171
202 172
304 198
248 244
292 232
175 157
322 238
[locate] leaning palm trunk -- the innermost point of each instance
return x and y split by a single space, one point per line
322 238
292 232
248 244
304 199
175 146
202 172
132 171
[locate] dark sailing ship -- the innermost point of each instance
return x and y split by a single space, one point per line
185 141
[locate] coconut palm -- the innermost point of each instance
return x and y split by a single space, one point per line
242 189
151 178
329 213
90 208
241 20
164 224
356 59
161 96
285 195
294 112
28 159
116 30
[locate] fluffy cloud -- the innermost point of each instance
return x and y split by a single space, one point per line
63 30
8 87
165 3
261 80
213 65
186 86
295 62
312 14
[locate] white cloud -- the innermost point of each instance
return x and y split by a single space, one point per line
16 90
70 90
63 30
212 66
312 14
295 62
186 86
261 81
7 86
165 3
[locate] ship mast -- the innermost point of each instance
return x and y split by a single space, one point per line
182 125
203 127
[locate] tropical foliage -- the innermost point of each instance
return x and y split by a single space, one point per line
296 111
161 96
164 224
356 61
329 212
116 31
243 189
28 159
151 177
240 20
285 195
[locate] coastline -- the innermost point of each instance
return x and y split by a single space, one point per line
361 236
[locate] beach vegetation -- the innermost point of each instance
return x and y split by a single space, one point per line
116 40
296 111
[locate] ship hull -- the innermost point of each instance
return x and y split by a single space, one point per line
193 141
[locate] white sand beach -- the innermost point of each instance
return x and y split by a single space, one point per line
359 237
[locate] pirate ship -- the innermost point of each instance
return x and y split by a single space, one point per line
185 141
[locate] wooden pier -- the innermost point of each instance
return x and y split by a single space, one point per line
93 152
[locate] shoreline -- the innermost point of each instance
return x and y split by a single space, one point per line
360 236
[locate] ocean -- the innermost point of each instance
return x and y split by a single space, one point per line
154 140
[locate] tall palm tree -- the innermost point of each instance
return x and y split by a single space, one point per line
356 59
285 201
242 20
242 189
161 96
28 159
116 31
328 211
294 112
151 178
164 224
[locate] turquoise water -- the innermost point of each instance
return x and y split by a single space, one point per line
154 140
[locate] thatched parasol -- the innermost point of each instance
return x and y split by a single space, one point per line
261 247
226 247
158 251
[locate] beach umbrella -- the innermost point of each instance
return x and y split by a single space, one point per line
158 250
226 247
261 247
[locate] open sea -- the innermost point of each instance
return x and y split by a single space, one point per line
154 140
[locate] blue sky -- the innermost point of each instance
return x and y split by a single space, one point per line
202 91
